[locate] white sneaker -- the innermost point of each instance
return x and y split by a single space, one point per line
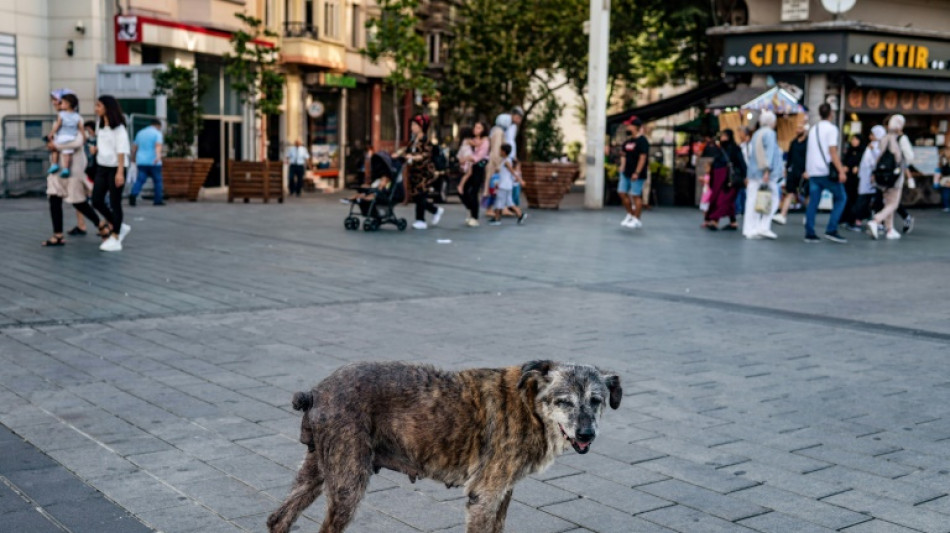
627 220
472 223
111 245
437 216
893 235
872 229
769 234
635 223
419 224
779 219
123 231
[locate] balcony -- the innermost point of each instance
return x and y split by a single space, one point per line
300 29
302 46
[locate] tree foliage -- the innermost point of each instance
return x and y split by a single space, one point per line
252 67
545 139
395 40
184 88
510 53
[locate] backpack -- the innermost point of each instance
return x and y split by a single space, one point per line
887 170
439 160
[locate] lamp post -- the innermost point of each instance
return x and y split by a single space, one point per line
599 34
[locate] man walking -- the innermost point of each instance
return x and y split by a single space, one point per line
147 154
299 160
633 172
825 171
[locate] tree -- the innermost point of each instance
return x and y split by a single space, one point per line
396 41
184 87
253 69
545 138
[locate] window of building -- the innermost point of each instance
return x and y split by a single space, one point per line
308 14
331 19
8 66
356 30
435 52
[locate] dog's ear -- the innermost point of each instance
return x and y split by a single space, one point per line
616 392
535 370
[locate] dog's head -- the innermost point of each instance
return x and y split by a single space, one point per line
572 396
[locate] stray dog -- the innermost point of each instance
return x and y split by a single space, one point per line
481 429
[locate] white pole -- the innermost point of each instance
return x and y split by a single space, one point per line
599 33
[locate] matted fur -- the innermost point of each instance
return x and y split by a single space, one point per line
482 429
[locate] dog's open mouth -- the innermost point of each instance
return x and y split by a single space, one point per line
579 447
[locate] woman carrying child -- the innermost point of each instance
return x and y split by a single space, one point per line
508 175
66 130
473 165
420 172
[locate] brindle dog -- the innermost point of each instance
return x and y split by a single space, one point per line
482 429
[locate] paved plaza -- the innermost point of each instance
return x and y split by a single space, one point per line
768 386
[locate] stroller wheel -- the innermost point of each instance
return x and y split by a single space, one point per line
401 224
370 224
351 223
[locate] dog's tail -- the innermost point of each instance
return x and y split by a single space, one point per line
302 401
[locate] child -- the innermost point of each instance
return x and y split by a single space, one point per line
65 130
866 189
504 196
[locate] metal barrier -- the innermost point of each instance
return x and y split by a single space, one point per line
25 158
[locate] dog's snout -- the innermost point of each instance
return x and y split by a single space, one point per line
586 434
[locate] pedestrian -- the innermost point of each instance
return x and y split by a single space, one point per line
727 178
474 178
866 189
765 173
633 172
706 193
794 171
825 172
745 135
147 155
942 182
511 137
897 144
508 175
73 191
86 177
420 171
112 159
852 162
298 161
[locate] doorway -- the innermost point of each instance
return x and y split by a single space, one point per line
220 140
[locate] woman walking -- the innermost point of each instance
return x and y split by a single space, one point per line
72 189
852 162
794 171
729 171
899 145
474 177
765 172
112 158
420 172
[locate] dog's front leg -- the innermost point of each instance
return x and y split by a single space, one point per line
486 509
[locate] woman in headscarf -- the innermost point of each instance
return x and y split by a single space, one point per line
729 168
899 145
765 172
420 172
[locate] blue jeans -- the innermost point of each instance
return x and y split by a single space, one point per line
145 172
817 184
740 201
945 193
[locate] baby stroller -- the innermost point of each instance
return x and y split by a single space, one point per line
378 210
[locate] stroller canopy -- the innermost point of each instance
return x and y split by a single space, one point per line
381 165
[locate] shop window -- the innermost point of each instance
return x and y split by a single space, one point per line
323 130
151 55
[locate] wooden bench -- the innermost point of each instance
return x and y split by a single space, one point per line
255 179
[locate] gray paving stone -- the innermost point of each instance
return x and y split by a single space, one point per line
892 511
681 518
600 518
781 523
806 509
707 501
620 497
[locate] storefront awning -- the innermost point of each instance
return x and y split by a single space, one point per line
777 100
929 85
672 105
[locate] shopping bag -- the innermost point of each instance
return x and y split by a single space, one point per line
763 200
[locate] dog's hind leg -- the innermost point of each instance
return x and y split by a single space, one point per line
499 526
306 489
347 480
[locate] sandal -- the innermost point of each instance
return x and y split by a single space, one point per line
104 230
76 231
54 241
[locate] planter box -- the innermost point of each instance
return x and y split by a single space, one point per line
545 184
256 179
183 178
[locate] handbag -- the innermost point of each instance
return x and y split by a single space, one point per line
763 200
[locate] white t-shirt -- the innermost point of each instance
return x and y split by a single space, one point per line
110 143
818 161
506 181
297 155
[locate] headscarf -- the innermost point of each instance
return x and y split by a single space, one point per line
423 122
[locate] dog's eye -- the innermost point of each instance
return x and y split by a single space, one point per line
595 402
566 404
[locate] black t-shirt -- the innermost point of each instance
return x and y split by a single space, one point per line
632 150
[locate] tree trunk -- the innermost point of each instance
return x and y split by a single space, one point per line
396 118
